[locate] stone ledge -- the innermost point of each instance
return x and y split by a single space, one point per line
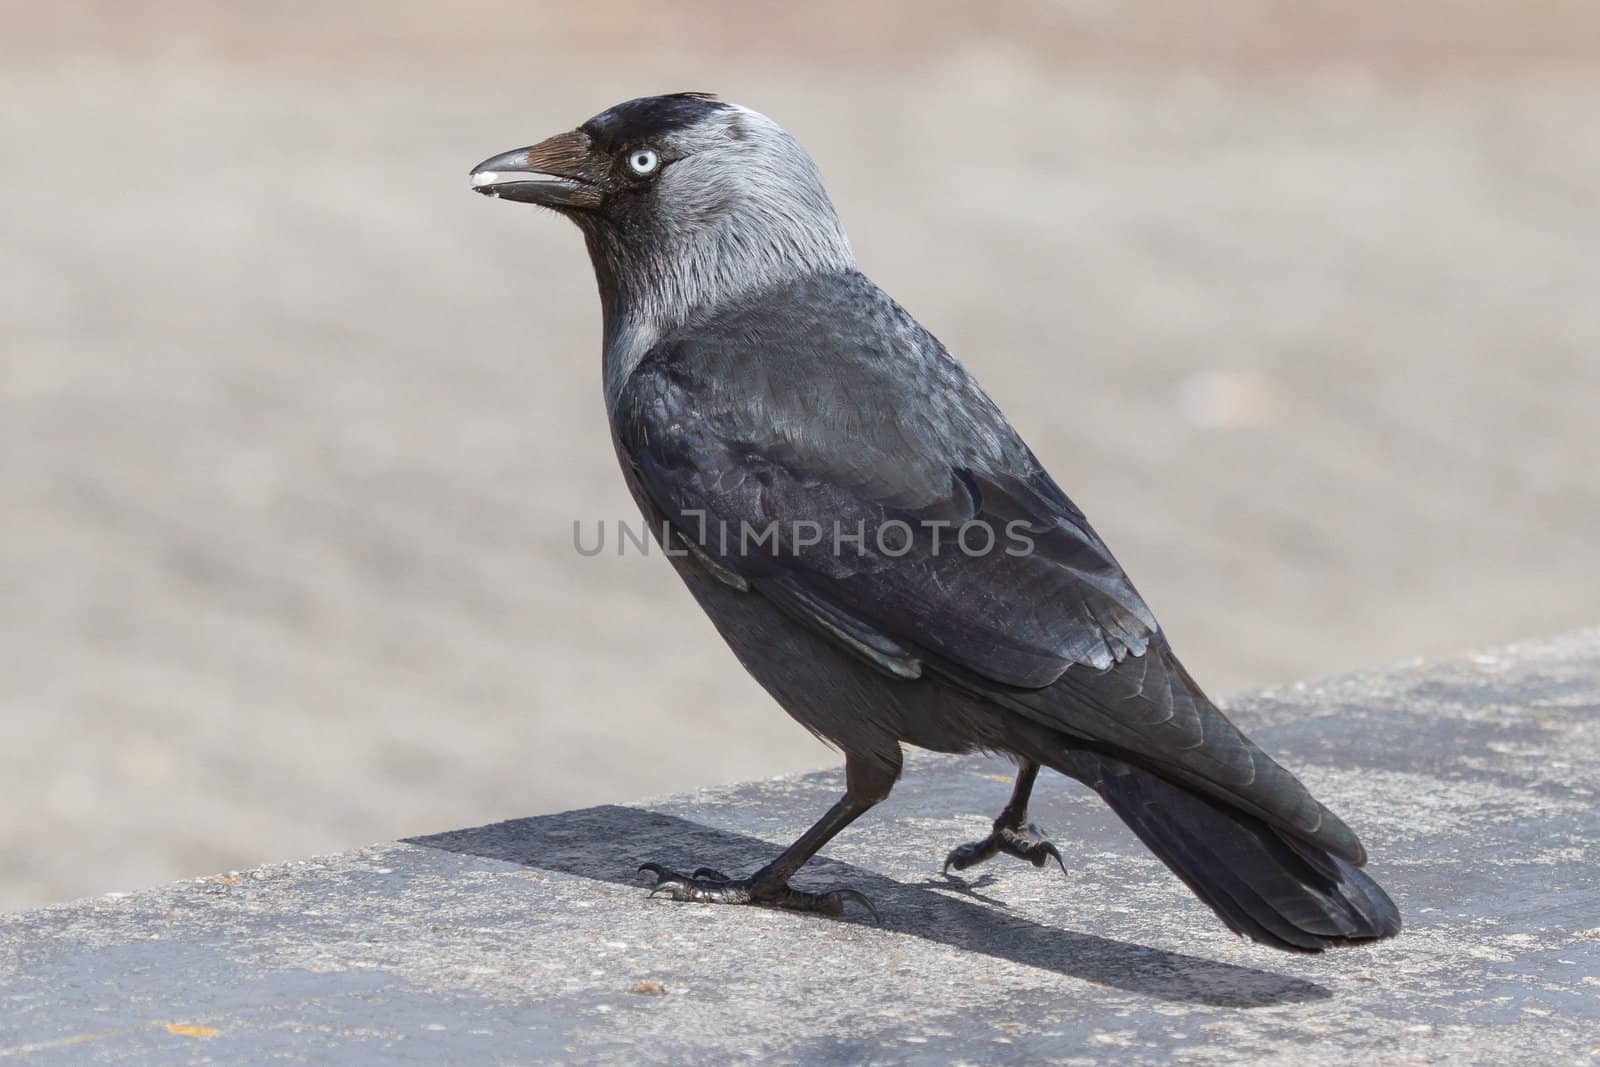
1473 784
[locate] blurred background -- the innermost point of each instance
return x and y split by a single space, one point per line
1299 301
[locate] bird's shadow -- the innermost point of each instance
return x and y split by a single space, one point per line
608 843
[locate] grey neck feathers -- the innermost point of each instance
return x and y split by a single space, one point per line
743 210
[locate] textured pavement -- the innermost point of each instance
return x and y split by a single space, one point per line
1473 784
293 428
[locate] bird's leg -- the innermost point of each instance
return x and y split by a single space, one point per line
868 780
1012 833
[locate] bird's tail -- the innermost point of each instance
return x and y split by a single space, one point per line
1262 882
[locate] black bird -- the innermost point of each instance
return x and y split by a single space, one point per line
876 543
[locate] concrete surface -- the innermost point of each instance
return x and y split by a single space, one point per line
1298 301
1473 784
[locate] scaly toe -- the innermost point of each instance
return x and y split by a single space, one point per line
974 852
829 903
1026 844
710 886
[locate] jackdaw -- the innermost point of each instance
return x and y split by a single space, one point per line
879 547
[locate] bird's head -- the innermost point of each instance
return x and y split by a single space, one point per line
684 200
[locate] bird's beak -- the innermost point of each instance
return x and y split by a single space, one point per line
559 173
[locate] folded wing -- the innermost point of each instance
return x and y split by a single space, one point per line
818 447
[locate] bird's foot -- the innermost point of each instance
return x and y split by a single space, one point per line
707 886
1025 843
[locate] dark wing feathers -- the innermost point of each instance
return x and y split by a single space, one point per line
876 647
783 414
824 403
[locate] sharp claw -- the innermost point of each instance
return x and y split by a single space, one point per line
654 868
859 898
1047 852
711 873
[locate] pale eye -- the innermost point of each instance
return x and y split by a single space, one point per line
643 161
